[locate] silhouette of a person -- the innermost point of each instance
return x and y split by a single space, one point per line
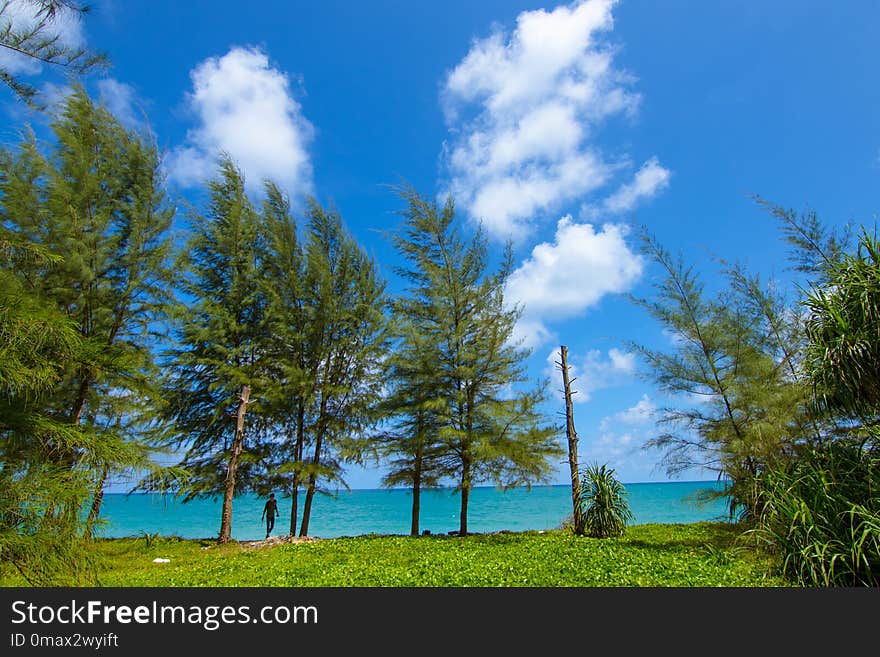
270 510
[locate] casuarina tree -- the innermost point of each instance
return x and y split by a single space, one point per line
491 428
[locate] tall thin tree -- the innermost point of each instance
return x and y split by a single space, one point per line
572 440
218 371
490 429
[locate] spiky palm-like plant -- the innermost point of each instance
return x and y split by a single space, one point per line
844 333
602 501
822 515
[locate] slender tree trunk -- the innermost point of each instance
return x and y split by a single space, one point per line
417 474
237 442
96 504
79 403
416 504
313 477
465 495
310 493
466 464
571 435
297 457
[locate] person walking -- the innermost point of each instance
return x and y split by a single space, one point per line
270 511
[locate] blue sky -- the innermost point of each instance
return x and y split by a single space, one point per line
560 126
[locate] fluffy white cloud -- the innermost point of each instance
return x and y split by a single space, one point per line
564 278
647 182
21 16
245 108
522 108
594 371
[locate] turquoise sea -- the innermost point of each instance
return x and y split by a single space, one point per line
383 511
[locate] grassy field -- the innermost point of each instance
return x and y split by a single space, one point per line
696 555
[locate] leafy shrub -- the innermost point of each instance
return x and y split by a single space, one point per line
821 513
604 511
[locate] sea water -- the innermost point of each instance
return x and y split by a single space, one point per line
384 511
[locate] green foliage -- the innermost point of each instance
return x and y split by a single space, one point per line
821 513
28 29
649 555
281 348
821 510
843 328
464 384
83 223
604 510
742 401
39 528
147 540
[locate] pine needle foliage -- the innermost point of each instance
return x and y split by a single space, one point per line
84 234
30 33
490 427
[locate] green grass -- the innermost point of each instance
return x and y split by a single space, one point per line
696 555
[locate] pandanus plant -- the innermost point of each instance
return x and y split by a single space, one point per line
604 511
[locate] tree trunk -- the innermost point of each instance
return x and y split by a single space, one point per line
313 477
462 525
79 403
96 504
416 505
417 474
465 496
297 457
237 442
466 463
571 434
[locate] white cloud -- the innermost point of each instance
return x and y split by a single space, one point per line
245 108
21 15
522 109
54 95
637 415
564 278
120 99
594 371
647 182
613 449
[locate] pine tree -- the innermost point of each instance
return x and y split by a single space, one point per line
219 368
39 536
742 405
96 202
288 321
410 442
490 430
345 342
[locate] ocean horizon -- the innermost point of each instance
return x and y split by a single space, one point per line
388 511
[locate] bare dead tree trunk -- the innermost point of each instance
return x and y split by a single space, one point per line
571 435
237 442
